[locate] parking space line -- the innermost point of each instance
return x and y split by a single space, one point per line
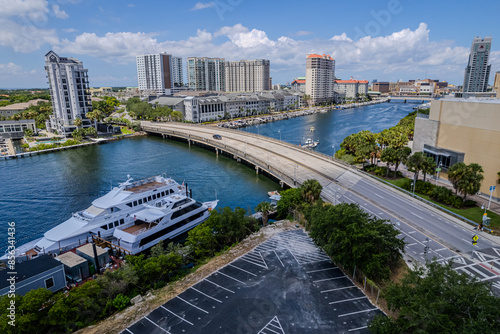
128 330
199 308
154 323
237 280
206 295
278 258
232 265
347 287
357 329
346 300
315 271
364 311
217 285
257 264
166 309
329 279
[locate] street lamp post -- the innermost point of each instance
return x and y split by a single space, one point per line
413 187
333 146
280 134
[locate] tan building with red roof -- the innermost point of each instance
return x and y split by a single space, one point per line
351 88
299 84
320 76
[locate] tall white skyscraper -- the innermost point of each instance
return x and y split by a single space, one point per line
69 91
206 74
320 76
247 75
158 73
477 72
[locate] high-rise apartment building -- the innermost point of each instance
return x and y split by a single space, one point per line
159 73
247 75
477 72
206 73
69 91
320 76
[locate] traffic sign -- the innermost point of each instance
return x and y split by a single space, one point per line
438 169
492 188
474 239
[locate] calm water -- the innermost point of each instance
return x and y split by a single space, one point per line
41 191
332 127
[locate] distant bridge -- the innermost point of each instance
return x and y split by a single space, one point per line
411 98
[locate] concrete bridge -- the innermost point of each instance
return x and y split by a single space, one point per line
411 98
429 232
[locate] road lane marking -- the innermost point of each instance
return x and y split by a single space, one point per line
237 280
217 285
232 265
346 300
166 309
279 258
364 311
347 287
329 279
315 271
151 321
357 329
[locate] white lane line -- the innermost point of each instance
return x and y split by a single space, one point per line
232 265
364 311
413 244
329 279
237 280
199 308
416 215
254 263
206 295
128 330
151 321
347 287
346 300
357 329
441 249
315 271
411 232
379 195
166 309
217 285
279 258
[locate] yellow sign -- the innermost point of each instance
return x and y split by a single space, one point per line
475 237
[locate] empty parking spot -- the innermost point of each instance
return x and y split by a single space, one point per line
231 277
163 329
232 265
315 271
206 295
328 279
346 300
364 311
278 258
217 285
346 287
185 301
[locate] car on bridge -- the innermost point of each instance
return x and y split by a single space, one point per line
218 137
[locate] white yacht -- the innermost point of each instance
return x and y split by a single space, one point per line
164 219
310 143
116 208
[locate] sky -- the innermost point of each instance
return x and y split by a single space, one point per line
387 40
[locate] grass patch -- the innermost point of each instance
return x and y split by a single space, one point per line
126 131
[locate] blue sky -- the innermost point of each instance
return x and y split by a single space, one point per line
384 40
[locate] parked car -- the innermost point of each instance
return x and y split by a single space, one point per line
218 137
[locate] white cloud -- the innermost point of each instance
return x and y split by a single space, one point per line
70 30
303 33
201 5
33 9
10 68
404 53
60 14
131 5
25 38
342 37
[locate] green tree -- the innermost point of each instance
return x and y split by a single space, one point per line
78 122
310 190
265 208
290 199
466 179
354 238
428 167
403 154
176 115
389 156
438 299
415 164
202 241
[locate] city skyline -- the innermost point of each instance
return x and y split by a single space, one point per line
385 41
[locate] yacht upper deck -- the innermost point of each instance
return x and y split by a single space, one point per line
140 188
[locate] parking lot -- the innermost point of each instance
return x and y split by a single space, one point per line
284 285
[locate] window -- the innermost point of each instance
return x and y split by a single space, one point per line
49 282
140 201
145 199
154 196
149 198
110 225
105 227
122 221
135 203
117 223
129 204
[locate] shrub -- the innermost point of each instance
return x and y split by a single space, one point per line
121 302
469 203
381 171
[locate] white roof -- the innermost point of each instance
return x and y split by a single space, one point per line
114 197
149 215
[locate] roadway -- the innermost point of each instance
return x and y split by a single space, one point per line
428 231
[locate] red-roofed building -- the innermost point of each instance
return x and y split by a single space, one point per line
299 84
320 76
351 88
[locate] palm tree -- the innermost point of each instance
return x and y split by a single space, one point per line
456 174
311 190
415 164
428 167
466 178
78 122
265 208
